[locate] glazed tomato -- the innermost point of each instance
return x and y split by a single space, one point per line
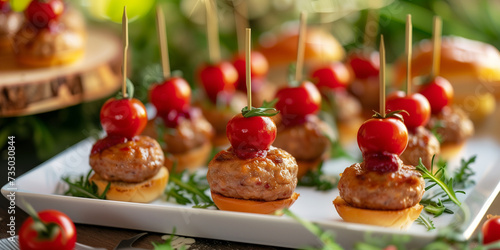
251 137
298 101
379 135
417 106
64 236
123 117
333 76
172 94
439 92
258 68
491 230
41 13
365 65
219 81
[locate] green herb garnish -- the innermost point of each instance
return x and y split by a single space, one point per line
462 177
438 179
167 245
267 109
422 219
82 187
318 179
191 191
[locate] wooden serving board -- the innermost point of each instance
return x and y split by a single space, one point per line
26 91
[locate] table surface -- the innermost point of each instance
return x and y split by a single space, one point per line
107 237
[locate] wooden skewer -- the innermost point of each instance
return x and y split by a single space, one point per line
301 47
382 76
125 48
408 54
241 21
369 36
436 40
248 64
212 32
162 37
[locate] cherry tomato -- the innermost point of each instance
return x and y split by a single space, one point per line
491 230
63 238
4 6
124 117
297 102
250 137
258 69
417 106
172 94
365 65
41 13
439 92
219 81
378 135
333 76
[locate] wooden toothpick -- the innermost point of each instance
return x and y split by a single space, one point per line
436 50
162 37
301 47
248 64
125 48
212 32
408 54
382 76
241 21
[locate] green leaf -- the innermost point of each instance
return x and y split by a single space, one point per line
318 179
258 112
130 90
186 188
446 185
82 187
422 219
463 175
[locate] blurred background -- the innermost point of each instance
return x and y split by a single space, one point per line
41 136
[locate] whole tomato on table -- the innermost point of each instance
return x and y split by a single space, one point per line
49 229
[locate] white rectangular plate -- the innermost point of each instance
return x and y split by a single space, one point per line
42 186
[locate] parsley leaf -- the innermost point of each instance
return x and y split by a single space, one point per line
190 191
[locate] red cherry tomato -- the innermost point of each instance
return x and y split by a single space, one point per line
219 81
333 76
4 6
417 106
172 94
251 137
41 13
382 135
491 230
439 92
298 101
123 117
365 65
65 238
258 68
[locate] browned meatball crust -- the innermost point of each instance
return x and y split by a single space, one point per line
133 161
452 124
381 191
421 144
364 90
307 141
267 178
347 106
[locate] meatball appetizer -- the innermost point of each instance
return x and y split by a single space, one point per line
53 34
300 131
422 144
451 123
252 176
381 190
366 68
186 134
130 166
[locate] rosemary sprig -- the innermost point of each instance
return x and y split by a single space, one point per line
462 176
82 187
435 208
191 191
422 219
438 179
318 179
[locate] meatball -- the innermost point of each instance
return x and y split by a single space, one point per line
422 144
136 160
364 90
307 141
381 191
347 106
452 125
267 178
